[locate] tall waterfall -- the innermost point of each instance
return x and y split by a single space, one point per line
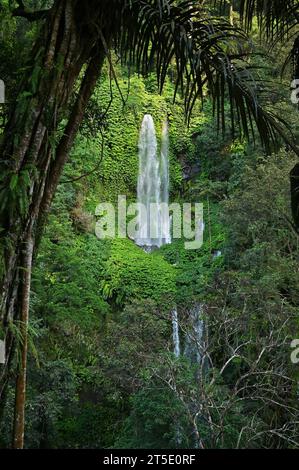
153 186
165 219
154 222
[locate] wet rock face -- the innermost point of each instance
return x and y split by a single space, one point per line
191 171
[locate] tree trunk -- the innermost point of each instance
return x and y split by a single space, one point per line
31 162
19 423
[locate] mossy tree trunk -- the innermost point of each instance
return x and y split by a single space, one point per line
32 158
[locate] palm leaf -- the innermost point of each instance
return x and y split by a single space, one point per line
276 17
208 53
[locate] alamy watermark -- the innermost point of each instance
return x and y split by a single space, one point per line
2 352
2 92
295 353
156 221
295 91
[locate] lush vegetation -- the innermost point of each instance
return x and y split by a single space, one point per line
101 372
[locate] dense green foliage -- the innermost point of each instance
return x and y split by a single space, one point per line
102 372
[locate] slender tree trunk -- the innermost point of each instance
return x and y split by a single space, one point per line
32 158
20 399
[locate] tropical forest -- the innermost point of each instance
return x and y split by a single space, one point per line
149 224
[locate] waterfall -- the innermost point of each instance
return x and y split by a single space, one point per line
193 349
177 353
153 186
165 219
176 336
195 335
154 226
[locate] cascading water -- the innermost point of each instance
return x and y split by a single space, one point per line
195 335
177 353
176 335
194 338
165 219
154 227
153 187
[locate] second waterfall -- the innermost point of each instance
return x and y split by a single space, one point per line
153 187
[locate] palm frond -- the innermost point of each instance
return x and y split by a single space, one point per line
209 54
276 17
